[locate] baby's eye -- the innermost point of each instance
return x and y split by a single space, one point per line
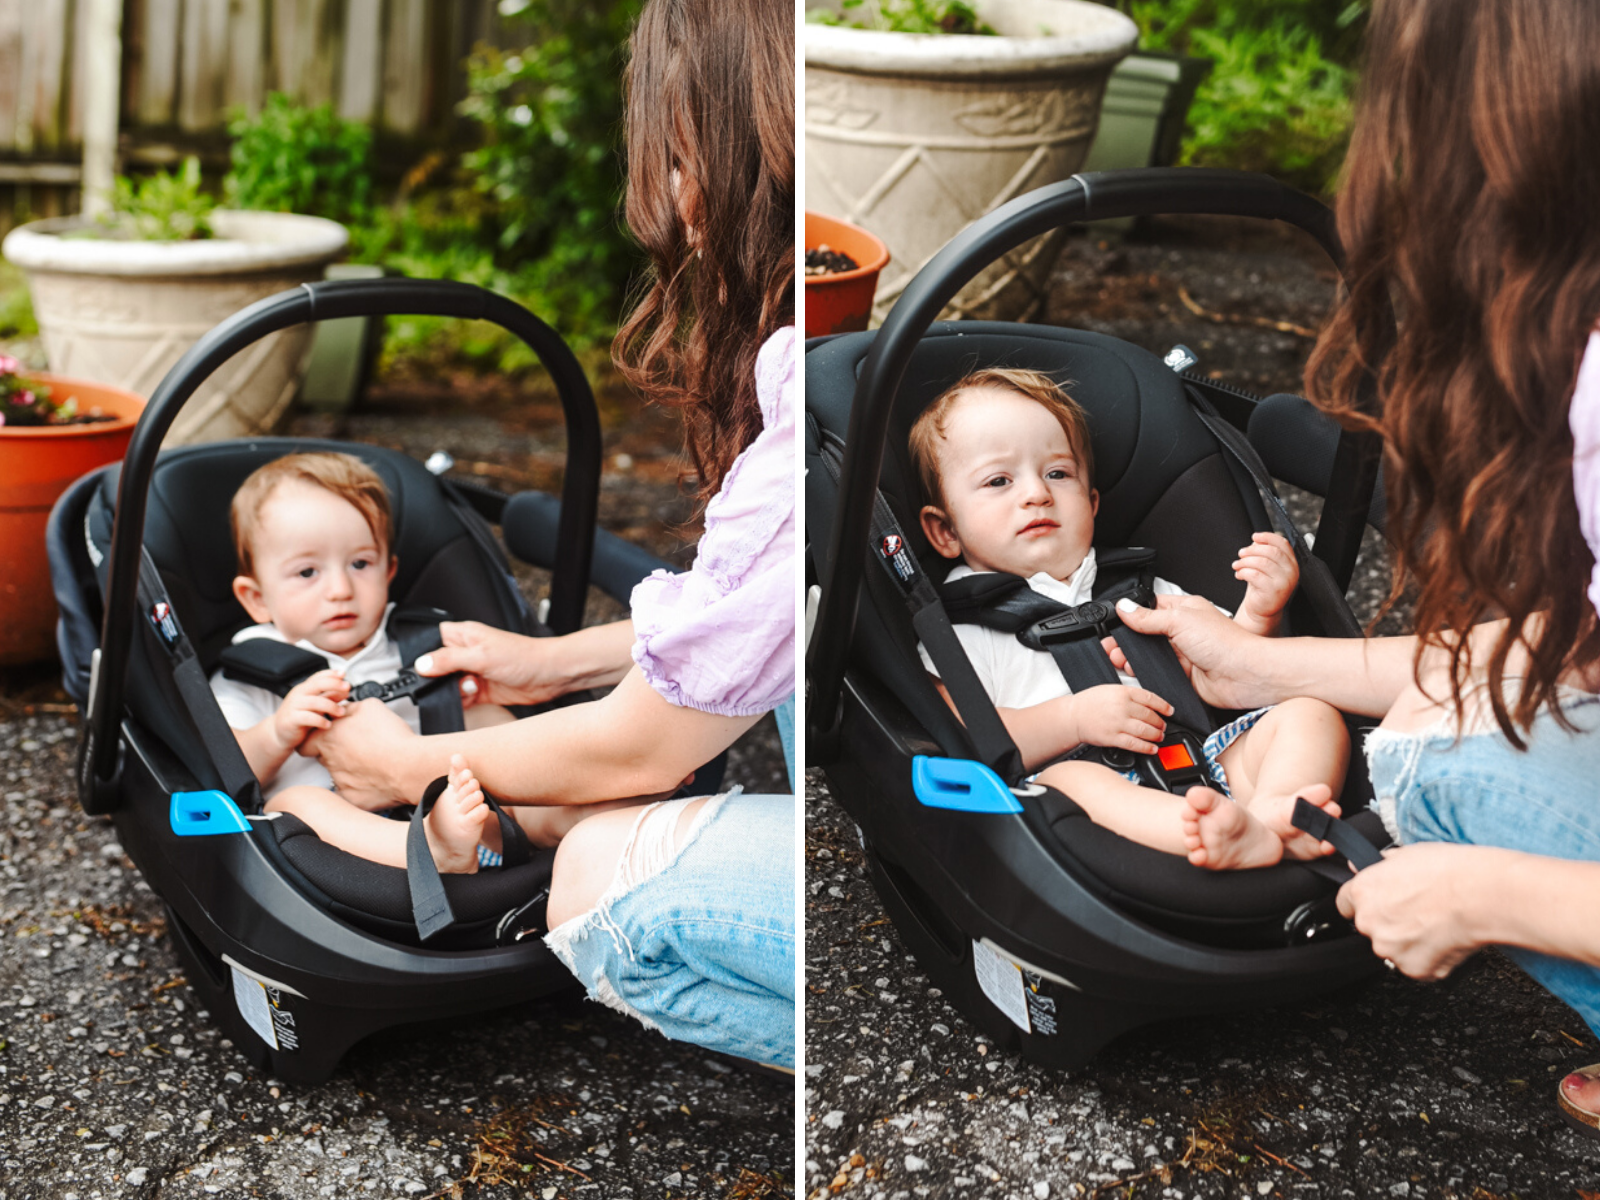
361 564
306 572
997 481
1058 473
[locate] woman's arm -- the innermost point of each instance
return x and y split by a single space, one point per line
1428 906
629 743
1233 668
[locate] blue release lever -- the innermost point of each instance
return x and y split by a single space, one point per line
961 784
195 814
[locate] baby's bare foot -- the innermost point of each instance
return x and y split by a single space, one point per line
455 825
1222 836
1275 812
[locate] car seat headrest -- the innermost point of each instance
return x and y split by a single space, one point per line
1156 466
187 534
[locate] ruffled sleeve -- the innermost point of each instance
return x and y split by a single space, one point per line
720 637
1584 419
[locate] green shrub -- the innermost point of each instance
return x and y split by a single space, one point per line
533 208
905 16
1279 98
163 207
16 305
290 158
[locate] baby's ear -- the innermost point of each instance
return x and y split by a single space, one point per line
394 565
940 533
248 593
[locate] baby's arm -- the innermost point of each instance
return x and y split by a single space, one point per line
310 705
1128 718
1270 572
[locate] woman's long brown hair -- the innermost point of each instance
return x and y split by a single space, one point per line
710 95
1472 202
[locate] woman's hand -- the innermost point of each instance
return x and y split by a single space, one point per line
507 668
366 751
1412 907
1221 658
497 667
1125 718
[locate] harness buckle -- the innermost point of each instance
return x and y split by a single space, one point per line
1085 619
408 683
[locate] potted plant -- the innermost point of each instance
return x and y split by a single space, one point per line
120 299
913 134
52 430
843 262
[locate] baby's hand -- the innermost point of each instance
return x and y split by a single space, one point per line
1127 718
310 705
1270 573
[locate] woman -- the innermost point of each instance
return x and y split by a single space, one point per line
1469 201
680 913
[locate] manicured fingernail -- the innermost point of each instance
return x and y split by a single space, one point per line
425 664
1126 605
469 686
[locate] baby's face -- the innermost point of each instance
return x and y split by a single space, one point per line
1018 499
320 576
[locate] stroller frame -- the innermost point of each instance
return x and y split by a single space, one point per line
971 892
240 924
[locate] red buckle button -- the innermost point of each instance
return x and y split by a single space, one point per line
1174 757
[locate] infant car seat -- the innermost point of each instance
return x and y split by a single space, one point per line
1051 933
295 947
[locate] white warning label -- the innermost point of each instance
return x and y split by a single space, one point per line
251 997
1001 981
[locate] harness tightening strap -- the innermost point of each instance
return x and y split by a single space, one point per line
430 906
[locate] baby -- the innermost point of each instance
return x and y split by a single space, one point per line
1004 456
312 532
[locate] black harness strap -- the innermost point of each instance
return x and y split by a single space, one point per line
223 745
414 630
1072 636
990 740
1316 578
1346 838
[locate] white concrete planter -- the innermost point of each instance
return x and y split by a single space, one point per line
914 136
124 312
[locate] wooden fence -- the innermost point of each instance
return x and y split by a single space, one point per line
186 64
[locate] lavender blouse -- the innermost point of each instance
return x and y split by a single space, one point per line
1584 418
720 636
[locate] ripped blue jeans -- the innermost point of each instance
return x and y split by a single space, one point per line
695 937
1482 791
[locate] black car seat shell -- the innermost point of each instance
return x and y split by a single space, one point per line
1100 934
296 948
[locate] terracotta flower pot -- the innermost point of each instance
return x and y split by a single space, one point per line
36 465
842 303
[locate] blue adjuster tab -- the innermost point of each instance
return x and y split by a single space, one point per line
198 813
961 784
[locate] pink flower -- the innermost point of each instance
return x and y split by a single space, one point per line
9 365
2 418
23 397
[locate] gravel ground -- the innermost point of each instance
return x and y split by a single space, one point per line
1390 1088
113 1083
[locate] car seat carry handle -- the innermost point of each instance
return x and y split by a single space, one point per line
1082 198
98 756
1346 839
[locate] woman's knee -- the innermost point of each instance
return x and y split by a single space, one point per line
591 856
